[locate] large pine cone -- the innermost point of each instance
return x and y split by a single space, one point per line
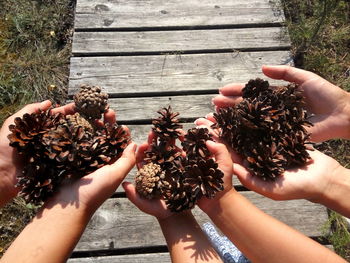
194 143
267 128
91 102
167 126
178 196
55 148
204 178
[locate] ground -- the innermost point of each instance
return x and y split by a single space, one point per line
35 45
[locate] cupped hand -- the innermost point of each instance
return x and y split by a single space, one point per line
329 104
311 182
90 191
10 162
223 158
154 207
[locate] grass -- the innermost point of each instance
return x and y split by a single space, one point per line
34 52
319 31
35 38
35 48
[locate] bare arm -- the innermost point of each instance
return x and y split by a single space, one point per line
185 239
259 236
56 229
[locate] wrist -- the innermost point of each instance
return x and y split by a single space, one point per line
213 206
337 192
175 217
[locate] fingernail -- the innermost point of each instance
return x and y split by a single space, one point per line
210 143
212 102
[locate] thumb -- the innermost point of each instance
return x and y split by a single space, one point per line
131 193
219 151
116 172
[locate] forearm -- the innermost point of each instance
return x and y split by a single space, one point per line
52 235
337 195
262 238
186 240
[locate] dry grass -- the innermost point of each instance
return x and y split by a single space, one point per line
35 44
320 30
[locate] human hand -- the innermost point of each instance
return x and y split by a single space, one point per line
154 207
309 182
11 164
223 158
329 104
90 191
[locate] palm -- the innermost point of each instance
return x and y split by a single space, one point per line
314 177
327 103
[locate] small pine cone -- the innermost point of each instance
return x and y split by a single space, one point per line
91 102
163 154
76 120
204 178
178 197
254 87
167 125
148 180
194 143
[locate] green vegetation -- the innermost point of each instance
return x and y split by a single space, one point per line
320 30
320 35
34 52
35 44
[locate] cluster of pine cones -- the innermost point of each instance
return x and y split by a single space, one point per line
179 180
56 147
267 128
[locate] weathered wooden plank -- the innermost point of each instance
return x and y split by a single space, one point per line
191 106
119 224
138 258
179 40
119 14
181 73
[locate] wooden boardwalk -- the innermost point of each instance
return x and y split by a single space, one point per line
151 53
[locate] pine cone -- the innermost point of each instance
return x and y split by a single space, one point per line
91 102
204 178
178 197
57 148
148 180
163 154
167 126
254 87
194 143
267 129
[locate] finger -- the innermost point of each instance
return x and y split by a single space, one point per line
110 116
210 117
117 171
221 101
151 137
288 73
220 152
140 154
202 122
131 193
234 89
68 109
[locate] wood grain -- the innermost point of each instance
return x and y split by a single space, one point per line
138 258
171 73
191 106
179 41
119 14
119 224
